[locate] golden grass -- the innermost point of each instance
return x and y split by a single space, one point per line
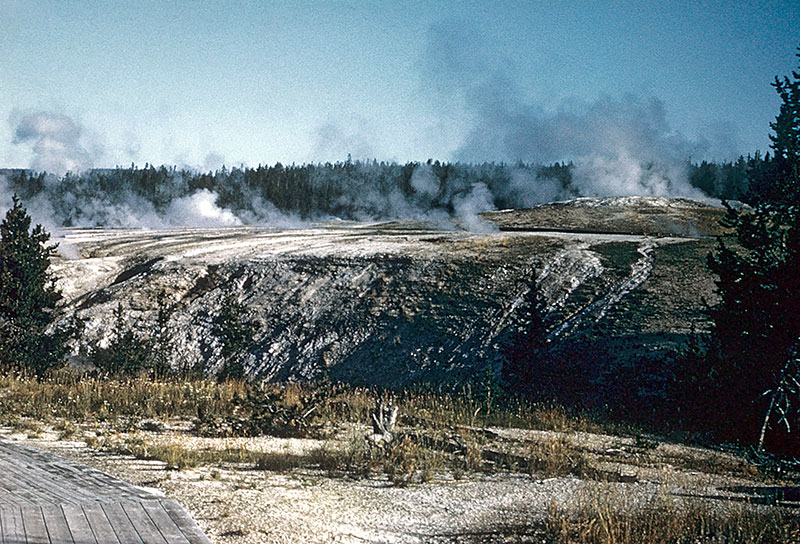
438 431
84 398
77 398
611 514
555 456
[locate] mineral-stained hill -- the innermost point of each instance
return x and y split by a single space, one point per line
401 303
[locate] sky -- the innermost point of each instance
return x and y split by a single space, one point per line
201 84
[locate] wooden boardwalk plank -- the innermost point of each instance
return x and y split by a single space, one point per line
126 532
9 490
166 525
70 482
147 530
56 524
25 480
78 524
186 524
47 499
101 527
28 489
13 531
33 522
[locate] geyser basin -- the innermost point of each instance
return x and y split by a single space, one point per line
397 303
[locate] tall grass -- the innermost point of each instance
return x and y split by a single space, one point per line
78 398
609 514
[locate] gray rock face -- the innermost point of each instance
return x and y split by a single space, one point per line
394 304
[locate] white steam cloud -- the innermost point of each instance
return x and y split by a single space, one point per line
619 146
200 210
468 206
56 140
352 136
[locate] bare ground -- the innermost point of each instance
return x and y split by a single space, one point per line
237 503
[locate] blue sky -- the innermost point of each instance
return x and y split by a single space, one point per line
201 83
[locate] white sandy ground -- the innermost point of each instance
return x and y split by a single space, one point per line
238 504
97 256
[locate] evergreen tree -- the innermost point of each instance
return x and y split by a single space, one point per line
236 333
127 353
28 295
757 322
786 139
162 340
525 362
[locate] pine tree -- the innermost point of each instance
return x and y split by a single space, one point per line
786 138
127 353
757 323
162 343
28 295
236 333
525 362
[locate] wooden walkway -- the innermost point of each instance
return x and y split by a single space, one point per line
47 499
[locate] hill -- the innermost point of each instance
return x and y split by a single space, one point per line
401 303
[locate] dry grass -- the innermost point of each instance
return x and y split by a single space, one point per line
220 406
179 456
404 462
80 398
439 432
26 426
555 457
609 514
481 408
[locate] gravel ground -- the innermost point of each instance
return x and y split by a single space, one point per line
235 505
238 504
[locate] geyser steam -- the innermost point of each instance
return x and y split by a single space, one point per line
615 147
619 146
55 139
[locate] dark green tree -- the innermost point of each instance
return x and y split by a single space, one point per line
28 296
127 353
162 341
757 322
525 362
236 334
786 140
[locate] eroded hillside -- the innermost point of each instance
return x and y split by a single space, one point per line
400 303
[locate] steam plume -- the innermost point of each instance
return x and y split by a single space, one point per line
620 146
56 141
617 146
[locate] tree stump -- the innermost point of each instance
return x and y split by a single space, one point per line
383 419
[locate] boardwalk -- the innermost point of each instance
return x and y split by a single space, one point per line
47 499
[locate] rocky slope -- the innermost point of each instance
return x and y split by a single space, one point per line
399 303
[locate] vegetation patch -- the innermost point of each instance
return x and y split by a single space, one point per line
608 514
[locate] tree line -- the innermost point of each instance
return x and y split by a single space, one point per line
348 189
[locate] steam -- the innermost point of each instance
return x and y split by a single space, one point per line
616 146
619 146
352 136
56 141
200 210
5 193
425 184
468 206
